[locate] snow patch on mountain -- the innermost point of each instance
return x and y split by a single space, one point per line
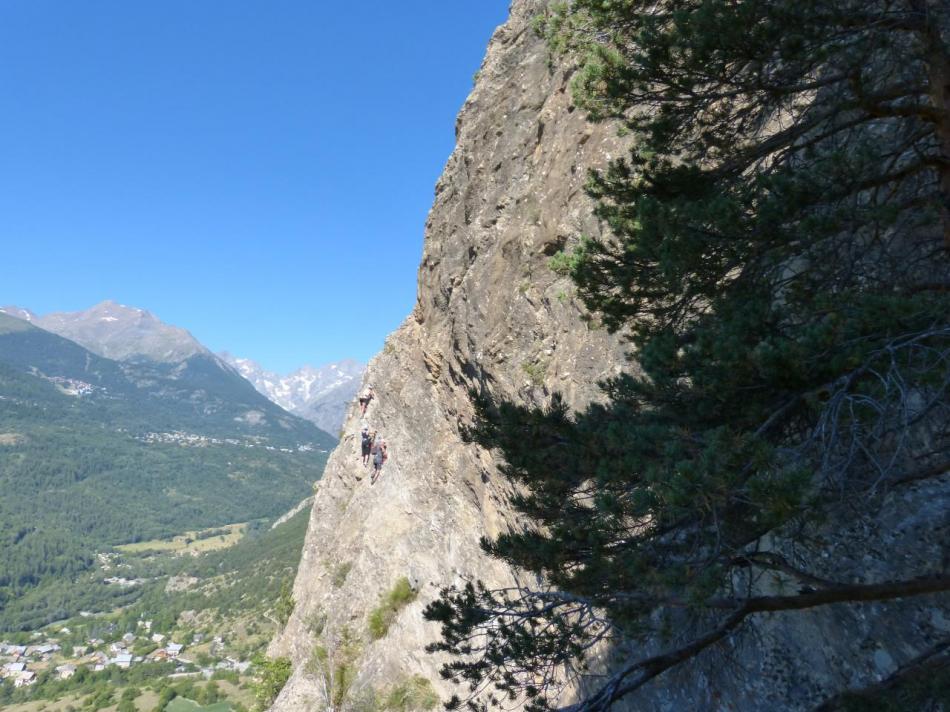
125 333
18 313
320 395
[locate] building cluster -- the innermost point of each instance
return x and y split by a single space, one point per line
179 437
73 387
62 657
20 663
230 664
122 581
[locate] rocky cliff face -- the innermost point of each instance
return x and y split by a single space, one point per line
489 312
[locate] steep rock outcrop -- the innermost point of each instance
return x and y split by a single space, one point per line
490 312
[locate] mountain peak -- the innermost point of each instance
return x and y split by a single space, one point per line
18 312
319 394
123 332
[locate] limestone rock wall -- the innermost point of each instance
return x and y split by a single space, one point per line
489 311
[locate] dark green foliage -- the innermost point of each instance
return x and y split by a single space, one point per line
166 695
99 687
779 258
273 675
413 695
100 699
285 603
340 572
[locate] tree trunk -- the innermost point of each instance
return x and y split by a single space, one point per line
939 60
941 92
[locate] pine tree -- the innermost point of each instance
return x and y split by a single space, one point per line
779 258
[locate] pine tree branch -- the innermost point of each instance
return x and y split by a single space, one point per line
641 672
931 661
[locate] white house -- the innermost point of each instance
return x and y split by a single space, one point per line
66 671
123 660
25 678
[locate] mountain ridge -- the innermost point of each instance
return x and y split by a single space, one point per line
97 452
123 333
319 394
131 334
202 389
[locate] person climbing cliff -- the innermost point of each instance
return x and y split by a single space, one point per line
366 444
380 455
365 397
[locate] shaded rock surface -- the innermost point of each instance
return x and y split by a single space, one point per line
490 313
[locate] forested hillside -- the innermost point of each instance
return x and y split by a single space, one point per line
226 604
94 453
200 394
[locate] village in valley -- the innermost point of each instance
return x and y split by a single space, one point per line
61 655
197 613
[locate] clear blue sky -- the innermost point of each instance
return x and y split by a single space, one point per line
257 172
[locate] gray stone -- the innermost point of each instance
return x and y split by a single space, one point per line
491 314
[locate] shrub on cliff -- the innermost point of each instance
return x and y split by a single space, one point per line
393 601
272 675
284 607
779 257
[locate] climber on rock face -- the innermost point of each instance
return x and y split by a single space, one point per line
380 455
365 397
366 444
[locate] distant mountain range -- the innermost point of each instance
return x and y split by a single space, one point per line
321 395
200 392
118 332
133 335
96 452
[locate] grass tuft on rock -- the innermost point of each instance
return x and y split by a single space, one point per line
394 601
414 694
340 573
